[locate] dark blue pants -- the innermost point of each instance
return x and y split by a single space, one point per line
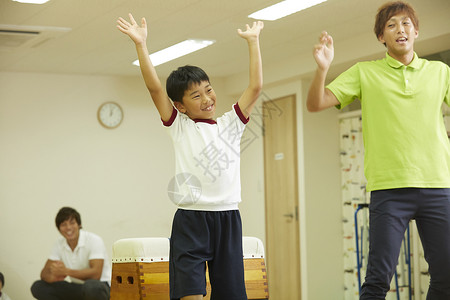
390 213
62 290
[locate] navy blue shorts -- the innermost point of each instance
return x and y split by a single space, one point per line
214 237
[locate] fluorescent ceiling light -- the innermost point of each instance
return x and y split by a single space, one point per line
176 51
283 8
32 1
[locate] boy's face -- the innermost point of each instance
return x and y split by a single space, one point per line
70 230
399 35
199 101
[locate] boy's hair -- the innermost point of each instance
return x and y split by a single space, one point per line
389 9
2 279
181 79
67 213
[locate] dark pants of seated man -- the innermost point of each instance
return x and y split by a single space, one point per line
62 290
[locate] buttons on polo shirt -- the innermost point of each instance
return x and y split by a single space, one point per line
408 85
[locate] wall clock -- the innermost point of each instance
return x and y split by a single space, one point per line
110 115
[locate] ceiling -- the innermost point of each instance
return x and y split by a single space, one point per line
80 36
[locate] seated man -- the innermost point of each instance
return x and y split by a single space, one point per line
81 256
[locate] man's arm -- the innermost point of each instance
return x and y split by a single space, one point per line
57 271
47 272
93 272
320 98
139 36
248 99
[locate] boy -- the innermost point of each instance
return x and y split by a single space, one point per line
79 254
207 225
407 154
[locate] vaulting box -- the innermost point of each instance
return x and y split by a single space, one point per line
255 274
140 269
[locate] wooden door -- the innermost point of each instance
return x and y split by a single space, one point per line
281 193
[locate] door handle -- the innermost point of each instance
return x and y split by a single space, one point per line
292 215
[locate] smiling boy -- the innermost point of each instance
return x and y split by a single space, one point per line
407 153
78 255
207 225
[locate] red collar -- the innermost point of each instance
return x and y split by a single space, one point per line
209 121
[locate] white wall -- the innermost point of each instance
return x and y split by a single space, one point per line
323 203
55 153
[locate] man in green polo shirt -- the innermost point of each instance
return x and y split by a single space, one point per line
407 152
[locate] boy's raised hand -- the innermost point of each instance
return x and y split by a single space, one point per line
251 32
324 51
137 33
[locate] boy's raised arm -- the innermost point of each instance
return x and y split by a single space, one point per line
139 36
248 99
319 97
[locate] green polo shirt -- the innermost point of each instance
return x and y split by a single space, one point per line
405 140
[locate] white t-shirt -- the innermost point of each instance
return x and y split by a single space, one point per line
90 246
208 152
4 296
